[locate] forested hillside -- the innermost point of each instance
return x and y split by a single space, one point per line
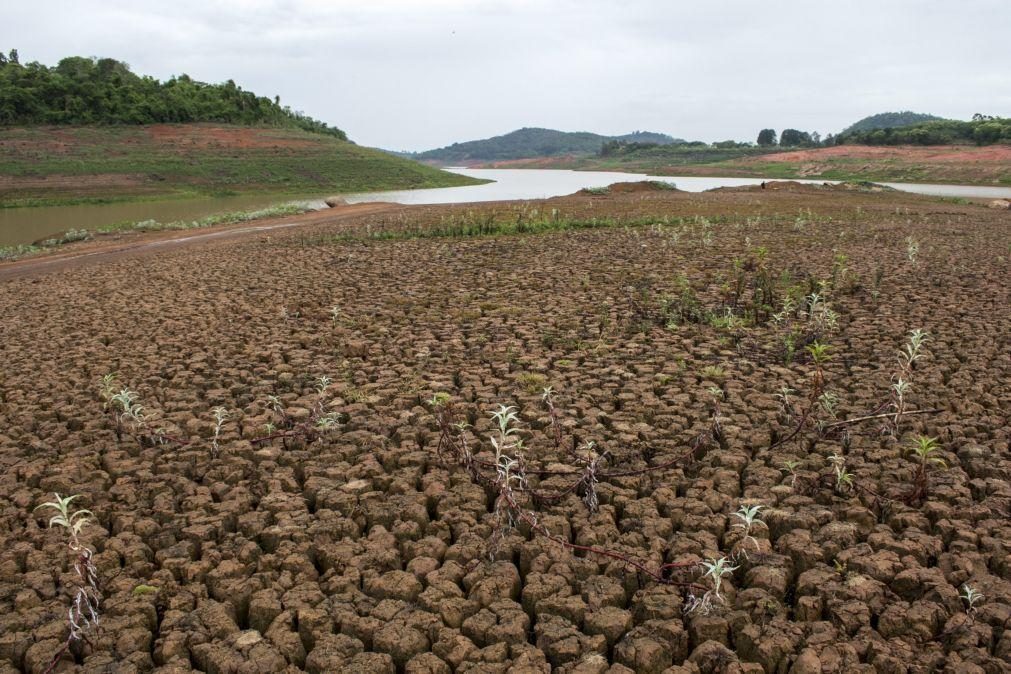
890 120
82 90
981 130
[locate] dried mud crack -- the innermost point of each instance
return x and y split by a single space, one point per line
326 526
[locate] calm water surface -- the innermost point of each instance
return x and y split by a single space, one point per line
25 225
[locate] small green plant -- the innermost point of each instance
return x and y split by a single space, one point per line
971 597
925 450
83 614
715 570
143 590
912 249
748 516
220 417
819 352
844 479
912 351
791 466
439 399
820 316
785 396
108 390
597 191
829 402
319 423
728 321
713 373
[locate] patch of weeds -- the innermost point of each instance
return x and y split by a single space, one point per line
144 590
231 218
10 253
532 382
663 185
713 373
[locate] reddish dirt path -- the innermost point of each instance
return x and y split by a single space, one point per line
137 244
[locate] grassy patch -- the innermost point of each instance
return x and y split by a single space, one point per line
231 218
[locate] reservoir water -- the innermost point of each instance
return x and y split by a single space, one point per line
25 225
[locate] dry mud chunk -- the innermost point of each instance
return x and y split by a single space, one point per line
768 645
572 608
373 663
492 582
426 663
264 606
601 591
399 641
394 585
287 641
610 622
653 646
563 643
217 620
453 647
331 651
712 657
703 628
502 622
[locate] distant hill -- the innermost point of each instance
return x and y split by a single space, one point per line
81 90
534 142
890 120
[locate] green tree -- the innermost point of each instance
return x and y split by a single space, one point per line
767 137
794 138
103 91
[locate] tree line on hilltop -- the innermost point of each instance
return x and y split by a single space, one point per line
82 90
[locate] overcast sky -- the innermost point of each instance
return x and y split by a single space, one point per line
418 74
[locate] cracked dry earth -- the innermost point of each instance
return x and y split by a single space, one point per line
363 551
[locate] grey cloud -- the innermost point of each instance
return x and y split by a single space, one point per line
407 74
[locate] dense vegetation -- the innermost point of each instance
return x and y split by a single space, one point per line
890 120
103 91
981 130
695 152
533 142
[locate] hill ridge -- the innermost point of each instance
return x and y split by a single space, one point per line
533 141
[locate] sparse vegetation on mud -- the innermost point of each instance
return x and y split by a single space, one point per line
482 449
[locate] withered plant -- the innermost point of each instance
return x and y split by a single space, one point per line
318 424
83 614
129 416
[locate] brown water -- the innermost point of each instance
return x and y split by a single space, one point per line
27 225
